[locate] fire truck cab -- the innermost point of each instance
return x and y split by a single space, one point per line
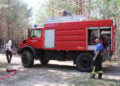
67 40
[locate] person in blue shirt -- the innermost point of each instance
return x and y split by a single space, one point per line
97 60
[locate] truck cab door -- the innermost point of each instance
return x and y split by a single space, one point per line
35 38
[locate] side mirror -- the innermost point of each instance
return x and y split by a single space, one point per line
29 33
115 26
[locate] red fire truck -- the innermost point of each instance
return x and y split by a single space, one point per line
67 40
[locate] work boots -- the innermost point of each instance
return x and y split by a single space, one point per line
99 75
92 76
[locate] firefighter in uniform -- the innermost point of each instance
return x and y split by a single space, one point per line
97 60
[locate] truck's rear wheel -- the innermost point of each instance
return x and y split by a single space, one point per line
44 61
27 59
84 62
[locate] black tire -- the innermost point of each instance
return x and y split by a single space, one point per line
27 59
44 61
84 62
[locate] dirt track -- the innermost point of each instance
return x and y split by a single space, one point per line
54 74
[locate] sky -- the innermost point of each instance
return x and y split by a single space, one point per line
35 5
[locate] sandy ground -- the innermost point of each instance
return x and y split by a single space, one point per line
56 73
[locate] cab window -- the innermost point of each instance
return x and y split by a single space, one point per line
36 33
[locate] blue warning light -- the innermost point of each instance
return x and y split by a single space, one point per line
35 25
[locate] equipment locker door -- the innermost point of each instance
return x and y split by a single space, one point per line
49 38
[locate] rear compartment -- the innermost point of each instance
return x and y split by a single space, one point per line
103 33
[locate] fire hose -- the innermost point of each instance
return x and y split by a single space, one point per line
9 70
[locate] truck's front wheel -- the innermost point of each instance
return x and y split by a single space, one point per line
27 59
84 62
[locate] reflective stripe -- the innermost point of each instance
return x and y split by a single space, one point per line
100 71
93 72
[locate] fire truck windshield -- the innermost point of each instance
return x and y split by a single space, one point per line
36 33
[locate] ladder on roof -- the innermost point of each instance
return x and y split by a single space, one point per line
65 19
